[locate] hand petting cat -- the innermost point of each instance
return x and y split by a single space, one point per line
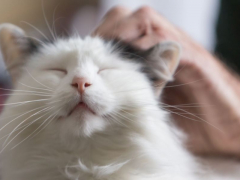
205 96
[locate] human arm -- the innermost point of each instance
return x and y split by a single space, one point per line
213 124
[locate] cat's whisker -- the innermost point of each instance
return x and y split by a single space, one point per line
163 105
30 93
185 83
53 115
46 124
180 114
25 94
131 90
76 33
124 117
160 85
17 105
186 112
24 102
140 106
199 119
21 127
18 116
27 91
35 87
42 108
36 39
53 20
21 116
178 71
37 80
65 30
38 30
116 119
129 113
188 104
59 100
170 86
47 23
178 105
140 57
6 143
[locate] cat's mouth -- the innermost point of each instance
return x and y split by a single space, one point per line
81 106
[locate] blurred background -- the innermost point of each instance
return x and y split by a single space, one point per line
199 18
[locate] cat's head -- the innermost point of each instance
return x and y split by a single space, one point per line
82 86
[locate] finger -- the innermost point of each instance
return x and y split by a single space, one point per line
146 42
125 28
141 23
134 26
130 29
117 13
110 20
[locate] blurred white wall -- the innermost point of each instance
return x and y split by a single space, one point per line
196 17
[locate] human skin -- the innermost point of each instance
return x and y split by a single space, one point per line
205 96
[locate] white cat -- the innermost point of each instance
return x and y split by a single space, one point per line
80 111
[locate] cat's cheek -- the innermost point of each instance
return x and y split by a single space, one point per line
51 81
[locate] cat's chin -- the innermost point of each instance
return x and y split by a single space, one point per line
81 109
82 123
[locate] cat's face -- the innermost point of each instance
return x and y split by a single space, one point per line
89 84
84 86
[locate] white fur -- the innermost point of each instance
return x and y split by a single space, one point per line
129 138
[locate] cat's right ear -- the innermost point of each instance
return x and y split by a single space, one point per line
162 62
15 47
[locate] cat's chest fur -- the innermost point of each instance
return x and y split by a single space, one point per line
119 153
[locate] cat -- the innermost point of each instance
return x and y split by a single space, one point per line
88 109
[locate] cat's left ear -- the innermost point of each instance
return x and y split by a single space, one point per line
15 47
163 61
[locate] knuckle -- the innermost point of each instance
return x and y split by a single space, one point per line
160 34
145 11
118 10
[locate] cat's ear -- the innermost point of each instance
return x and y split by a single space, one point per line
163 61
15 47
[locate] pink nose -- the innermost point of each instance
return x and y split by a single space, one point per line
81 84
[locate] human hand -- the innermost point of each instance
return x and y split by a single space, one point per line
212 123
145 28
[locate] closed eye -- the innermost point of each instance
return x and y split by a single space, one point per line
59 70
104 69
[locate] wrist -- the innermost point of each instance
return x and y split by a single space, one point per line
217 90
